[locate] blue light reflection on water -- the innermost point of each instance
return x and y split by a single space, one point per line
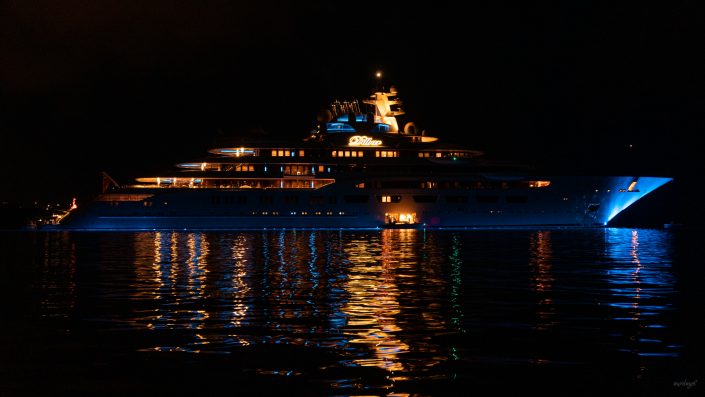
641 287
412 306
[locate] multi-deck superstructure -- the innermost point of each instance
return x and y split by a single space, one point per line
357 169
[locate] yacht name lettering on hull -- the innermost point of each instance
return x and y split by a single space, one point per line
362 140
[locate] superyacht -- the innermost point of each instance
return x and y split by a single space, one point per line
357 169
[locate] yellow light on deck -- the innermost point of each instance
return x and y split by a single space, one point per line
539 183
362 140
631 186
378 74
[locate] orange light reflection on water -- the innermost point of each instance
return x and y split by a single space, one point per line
346 287
373 305
542 278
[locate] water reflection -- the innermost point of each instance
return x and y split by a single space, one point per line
175 279
56 284
376 297
394 286
236 283
373 306
402 305
456 282
542 278
641 286
360 294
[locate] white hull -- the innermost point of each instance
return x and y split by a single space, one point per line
567 202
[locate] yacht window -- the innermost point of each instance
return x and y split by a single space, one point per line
386 153
389 199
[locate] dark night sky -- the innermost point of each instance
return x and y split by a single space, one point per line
129 87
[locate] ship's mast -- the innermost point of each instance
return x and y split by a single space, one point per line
383 105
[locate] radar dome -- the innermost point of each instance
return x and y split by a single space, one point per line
410 128
324 116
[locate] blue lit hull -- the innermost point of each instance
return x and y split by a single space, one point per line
567 202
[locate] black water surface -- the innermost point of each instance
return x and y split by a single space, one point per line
391 312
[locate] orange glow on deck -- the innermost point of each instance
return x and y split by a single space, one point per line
299 182
400 218
539 183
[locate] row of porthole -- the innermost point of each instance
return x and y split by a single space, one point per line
299 213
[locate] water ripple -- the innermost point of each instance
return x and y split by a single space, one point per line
368 310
